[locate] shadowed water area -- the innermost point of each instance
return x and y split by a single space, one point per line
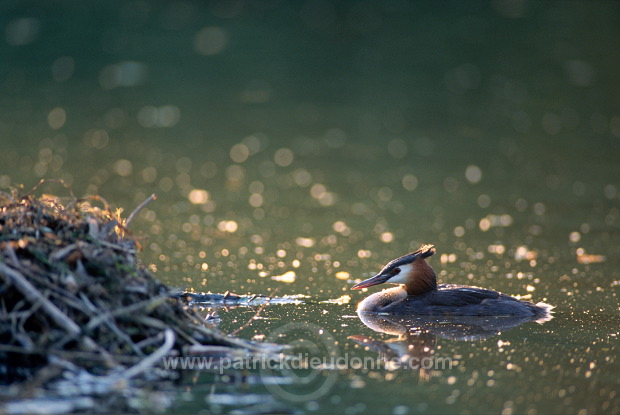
300 146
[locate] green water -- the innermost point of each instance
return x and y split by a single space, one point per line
323 139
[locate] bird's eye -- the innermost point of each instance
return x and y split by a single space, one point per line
396 271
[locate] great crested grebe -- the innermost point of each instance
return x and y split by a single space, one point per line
419 294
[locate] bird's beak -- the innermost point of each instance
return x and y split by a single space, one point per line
377 279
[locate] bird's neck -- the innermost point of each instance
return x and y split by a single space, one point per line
424 279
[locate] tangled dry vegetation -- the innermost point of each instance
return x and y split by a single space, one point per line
73 294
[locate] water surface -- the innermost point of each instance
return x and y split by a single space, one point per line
317 141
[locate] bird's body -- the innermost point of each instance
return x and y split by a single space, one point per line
450 300
419 293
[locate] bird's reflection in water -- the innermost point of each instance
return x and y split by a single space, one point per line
415 338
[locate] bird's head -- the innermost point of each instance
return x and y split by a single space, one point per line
410 270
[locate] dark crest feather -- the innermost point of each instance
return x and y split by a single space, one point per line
424 252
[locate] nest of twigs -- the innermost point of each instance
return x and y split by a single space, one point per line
73 291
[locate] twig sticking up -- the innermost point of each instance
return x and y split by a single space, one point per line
43 181
137 209
260 309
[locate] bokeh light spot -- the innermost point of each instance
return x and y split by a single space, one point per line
473 174
123 167
198 196
56 118
283 157
239 153
410 182
210 41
